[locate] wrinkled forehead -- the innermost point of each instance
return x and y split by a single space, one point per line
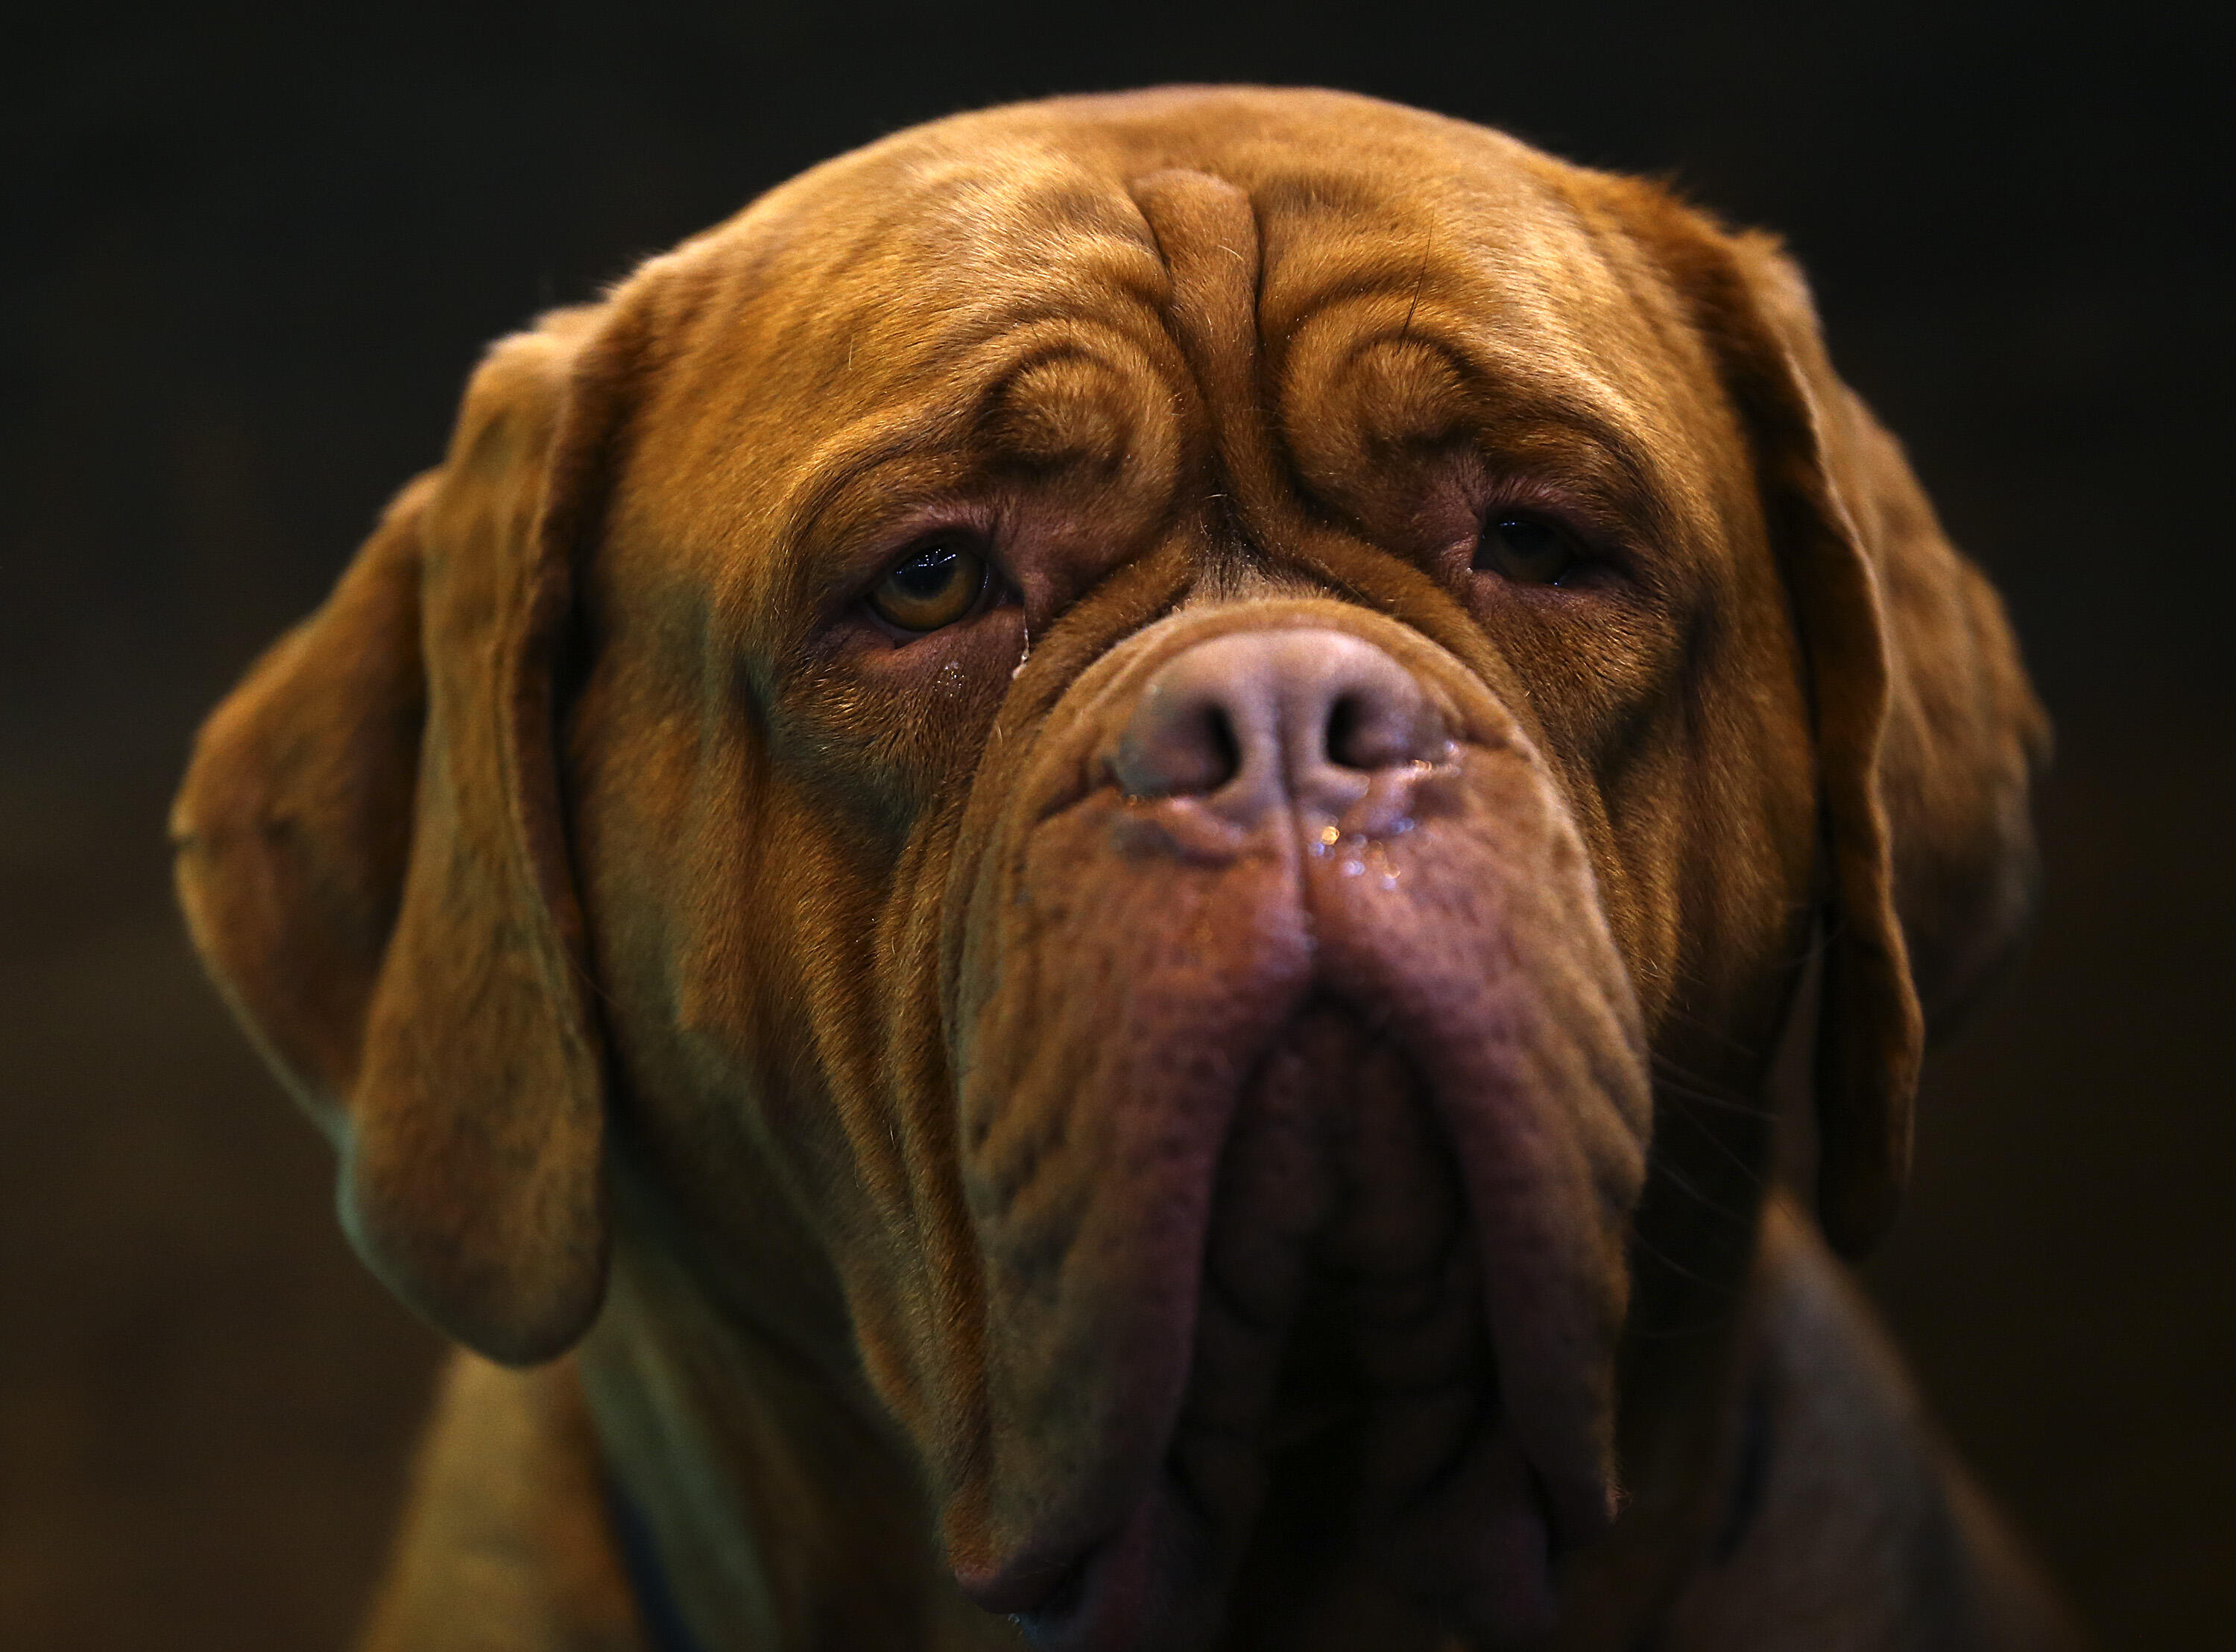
877 305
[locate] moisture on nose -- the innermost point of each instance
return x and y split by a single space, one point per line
1254 719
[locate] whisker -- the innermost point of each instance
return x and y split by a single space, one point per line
1641 1242
1678 1082
1685 1184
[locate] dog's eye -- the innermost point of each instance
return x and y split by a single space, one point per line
936 586
1525 551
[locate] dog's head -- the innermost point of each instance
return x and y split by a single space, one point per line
1196 740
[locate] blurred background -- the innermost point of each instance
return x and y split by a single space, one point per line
250 257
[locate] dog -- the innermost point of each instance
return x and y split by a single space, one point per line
1062 893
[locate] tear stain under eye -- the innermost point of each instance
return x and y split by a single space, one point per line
1017 670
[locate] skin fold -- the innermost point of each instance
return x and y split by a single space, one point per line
1227 1095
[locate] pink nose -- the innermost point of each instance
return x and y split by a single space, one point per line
1256 719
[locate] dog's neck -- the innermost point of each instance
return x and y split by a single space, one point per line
784 1510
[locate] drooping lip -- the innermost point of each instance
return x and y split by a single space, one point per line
1094 1599
1462 1511
1081 1576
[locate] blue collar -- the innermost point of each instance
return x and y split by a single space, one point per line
664 1628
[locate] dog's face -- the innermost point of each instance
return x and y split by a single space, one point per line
1192 738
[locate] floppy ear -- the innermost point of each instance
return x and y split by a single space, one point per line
1928 736
372 861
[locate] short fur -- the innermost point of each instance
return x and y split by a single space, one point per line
934 1171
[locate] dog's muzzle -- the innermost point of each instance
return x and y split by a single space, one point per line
1302 1112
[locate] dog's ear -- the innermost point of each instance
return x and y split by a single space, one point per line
1928 736
372 860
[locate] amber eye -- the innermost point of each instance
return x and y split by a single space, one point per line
935 586
1526 552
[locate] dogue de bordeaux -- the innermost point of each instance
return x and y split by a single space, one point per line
1062 891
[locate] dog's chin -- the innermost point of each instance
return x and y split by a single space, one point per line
1479 1564
1340 1431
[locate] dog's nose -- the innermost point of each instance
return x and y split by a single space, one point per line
1252 719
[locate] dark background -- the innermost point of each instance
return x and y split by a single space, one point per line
247 263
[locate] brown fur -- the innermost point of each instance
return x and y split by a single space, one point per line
688 974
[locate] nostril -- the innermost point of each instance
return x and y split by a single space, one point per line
1180 745
1378 727
1343 718
1221 747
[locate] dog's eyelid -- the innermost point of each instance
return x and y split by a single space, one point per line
1594 517
1597 553
1579 471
